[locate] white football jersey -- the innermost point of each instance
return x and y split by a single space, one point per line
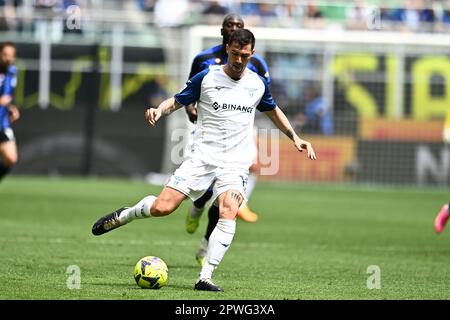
226 111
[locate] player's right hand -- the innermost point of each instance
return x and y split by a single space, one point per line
305 145
13 113
152 115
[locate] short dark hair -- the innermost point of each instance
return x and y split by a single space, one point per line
7 44
231 16
243 37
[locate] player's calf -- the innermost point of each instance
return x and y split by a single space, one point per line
162 208
167 202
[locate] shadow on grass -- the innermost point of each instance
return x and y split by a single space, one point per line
183 287
184 267
116 285
134 287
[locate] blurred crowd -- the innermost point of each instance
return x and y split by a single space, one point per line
400 15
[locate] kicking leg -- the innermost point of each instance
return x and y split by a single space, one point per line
168 201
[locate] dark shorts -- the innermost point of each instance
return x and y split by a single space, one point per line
7 135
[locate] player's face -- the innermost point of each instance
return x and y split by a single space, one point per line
238 58
7 56
230 26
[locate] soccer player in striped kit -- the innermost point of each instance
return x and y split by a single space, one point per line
8 112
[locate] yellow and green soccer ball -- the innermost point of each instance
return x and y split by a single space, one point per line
151 273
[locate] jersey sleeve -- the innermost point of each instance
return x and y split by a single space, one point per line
267 102
204 59
191 91
195 67
261 68
198 65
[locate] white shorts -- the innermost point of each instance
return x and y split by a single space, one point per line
194 177
7 135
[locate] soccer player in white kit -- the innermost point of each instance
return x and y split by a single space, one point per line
227 97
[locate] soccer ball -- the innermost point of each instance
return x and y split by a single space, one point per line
151 273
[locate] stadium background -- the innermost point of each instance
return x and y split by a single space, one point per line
89 69
87 74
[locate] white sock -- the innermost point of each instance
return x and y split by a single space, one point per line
138 211
251 182
219 242
207 270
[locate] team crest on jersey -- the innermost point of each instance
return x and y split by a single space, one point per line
176 180
251 91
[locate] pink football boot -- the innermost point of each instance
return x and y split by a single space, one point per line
441 219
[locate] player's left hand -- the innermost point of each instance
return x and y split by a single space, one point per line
13 113
305 145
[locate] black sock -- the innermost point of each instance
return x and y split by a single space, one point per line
3 170
200 202
213 218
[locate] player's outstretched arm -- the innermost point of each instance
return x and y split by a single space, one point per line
164 109
281 121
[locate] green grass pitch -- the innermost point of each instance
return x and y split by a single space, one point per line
311 242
